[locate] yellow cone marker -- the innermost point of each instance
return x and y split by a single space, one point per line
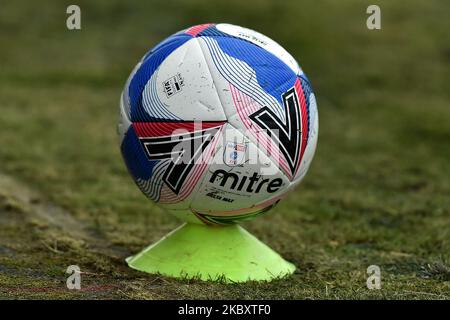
229 254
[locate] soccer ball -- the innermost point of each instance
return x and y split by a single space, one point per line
217 123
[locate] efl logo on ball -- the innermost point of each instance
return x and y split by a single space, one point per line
234 154
217 123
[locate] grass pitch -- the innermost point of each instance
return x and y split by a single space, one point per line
378 190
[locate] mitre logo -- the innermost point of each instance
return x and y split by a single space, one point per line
252 184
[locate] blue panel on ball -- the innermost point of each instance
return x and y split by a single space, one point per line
135 159
272 74
151 61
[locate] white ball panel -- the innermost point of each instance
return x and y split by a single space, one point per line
185 87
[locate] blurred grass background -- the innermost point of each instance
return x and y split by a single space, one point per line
377 191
